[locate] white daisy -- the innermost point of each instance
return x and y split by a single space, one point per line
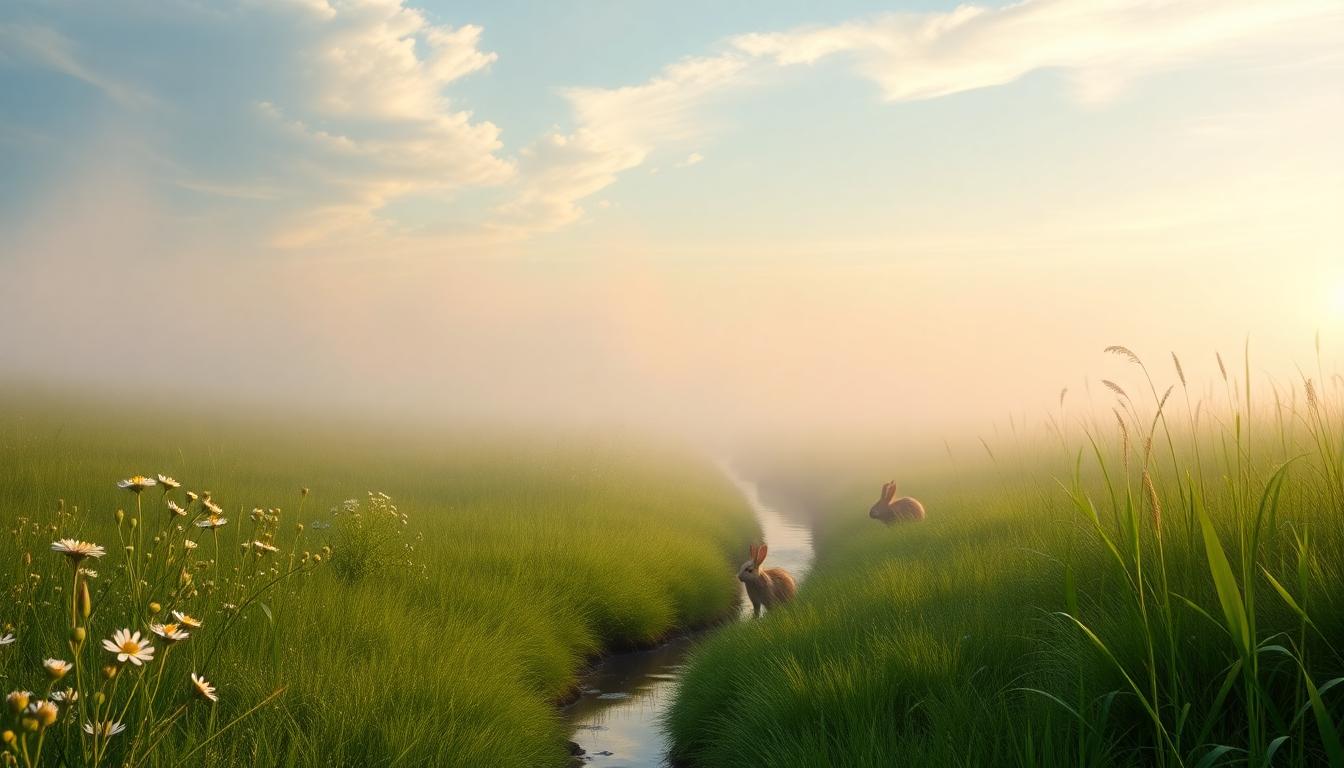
66 696
7 639
211 506
170 632
177 509
56 668
168 482
106 729
136 483
44 712
189 545
77 550
128 646
213 521
203 688
187 620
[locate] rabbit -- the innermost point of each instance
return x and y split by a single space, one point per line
767 587
891 510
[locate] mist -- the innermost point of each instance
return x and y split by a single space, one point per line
103 294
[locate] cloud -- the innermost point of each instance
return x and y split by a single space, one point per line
1101 44
695 158
309 120
42 47
615 130
329 110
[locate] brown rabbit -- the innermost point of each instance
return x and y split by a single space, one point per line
890 510
767 587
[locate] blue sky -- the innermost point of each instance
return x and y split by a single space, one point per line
646 195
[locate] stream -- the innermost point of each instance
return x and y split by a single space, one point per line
617 717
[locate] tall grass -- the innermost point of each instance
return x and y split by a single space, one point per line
1157 584
537 551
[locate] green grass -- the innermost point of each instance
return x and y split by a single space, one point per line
1015 627
539 552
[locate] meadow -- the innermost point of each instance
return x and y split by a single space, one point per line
377 597
1155 577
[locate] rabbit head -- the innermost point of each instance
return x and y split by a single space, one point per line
882 509
751 569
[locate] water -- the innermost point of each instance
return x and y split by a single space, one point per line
616 718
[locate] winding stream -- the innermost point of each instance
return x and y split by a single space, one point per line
616 718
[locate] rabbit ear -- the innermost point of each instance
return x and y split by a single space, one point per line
888 489
760 553
752 549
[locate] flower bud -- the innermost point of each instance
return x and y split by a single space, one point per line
109 672
100 698
27 559
135 521
120 516
85 601
17 700
29 724
8 737
155 607
46 713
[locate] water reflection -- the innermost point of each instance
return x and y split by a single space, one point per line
617 716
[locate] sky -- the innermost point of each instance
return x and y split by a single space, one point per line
916 216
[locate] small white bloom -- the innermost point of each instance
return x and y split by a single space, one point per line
170 632
168 482
203 688
128 646
106 729
77 550
136 483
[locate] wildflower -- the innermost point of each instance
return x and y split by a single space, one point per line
136 483
66 696
17 700
177 509
203 688
56 668
77 550
211 507
264 547
170 632
187 620
213 521
192 497
88 572
44 712
189 545
169 483
106 729
128 646
6 639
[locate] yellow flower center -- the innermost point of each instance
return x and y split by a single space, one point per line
130 646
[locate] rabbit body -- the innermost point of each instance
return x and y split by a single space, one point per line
767 587
890 510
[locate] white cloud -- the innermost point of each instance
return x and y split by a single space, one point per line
43 47
319 115
615 130
1102 44
333 109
